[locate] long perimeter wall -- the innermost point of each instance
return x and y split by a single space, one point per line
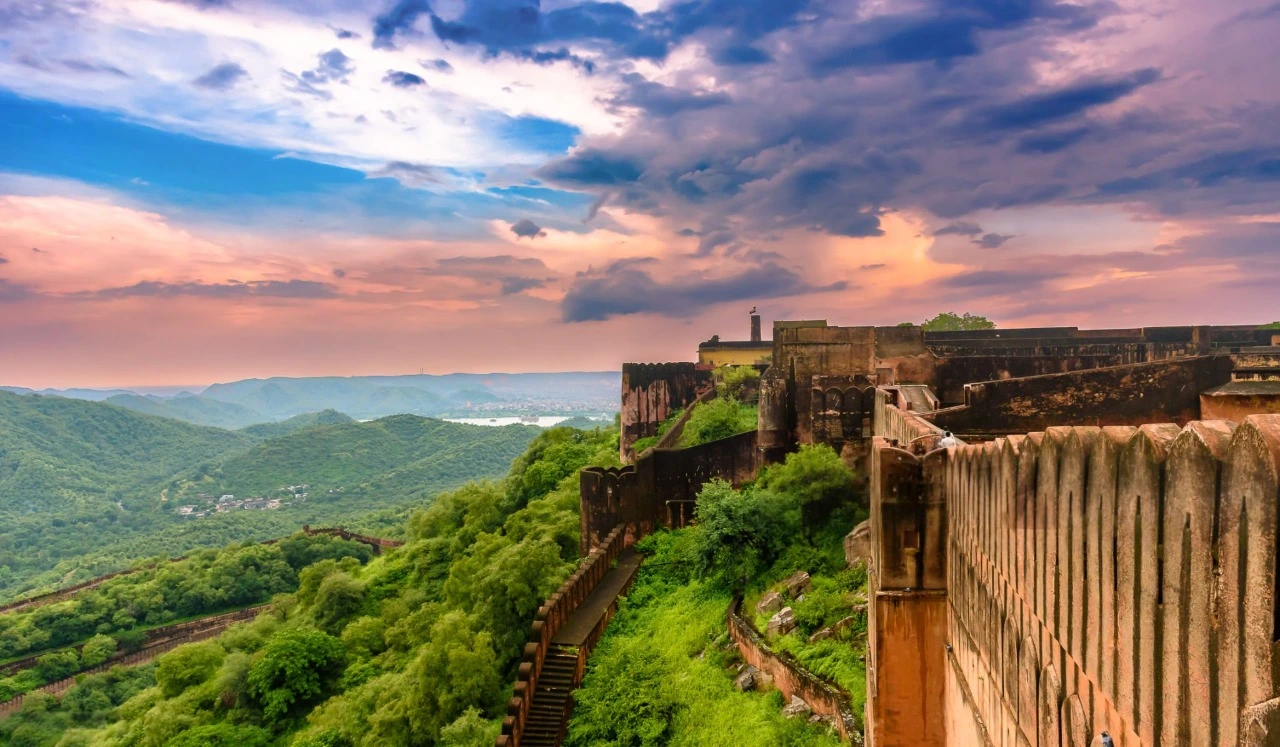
1118 579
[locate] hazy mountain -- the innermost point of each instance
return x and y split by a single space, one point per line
191 408
297 422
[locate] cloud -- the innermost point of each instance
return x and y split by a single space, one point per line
222 77
992 240
511 286
402 79
11 292
527 229
400 18
3 260
438 65
345 34
333 66
591 168
1050 106
959 228
338 272
664 101
294 289
85 66
623 288
873 266
408 174
990 280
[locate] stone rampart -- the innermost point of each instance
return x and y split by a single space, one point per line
659 490
1118 579
1165 391
547 622
650 393
791 679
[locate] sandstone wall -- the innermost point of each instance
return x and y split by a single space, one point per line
650 393
1166 391
1119 579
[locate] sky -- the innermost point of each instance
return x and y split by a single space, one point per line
195 191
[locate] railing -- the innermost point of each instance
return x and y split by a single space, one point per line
547 622
791 678
895 424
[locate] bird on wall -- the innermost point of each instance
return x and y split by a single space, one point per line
753 310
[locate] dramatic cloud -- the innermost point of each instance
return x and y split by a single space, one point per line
624 288
400 18
223 77
402 79
527 229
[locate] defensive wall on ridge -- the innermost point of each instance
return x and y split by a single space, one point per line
650 393
1058 584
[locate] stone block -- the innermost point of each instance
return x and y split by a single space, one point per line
797 708
797 584
857 545
747 680
770 602
781 623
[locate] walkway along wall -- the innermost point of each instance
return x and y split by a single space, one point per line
547 622
651 392
1118 579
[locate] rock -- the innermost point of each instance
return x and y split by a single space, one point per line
821 635
828 720
769 603
857 545
797 709
781 623
797 584
747 680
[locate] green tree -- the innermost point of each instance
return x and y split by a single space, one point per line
1273 325
57 665
814 479
950 321
471 729
339 598
732 381
97 650
717 419
739 533
222 735
456 670
294 668
187 665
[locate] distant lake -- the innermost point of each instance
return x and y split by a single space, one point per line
544 421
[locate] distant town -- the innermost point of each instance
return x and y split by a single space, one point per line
207 504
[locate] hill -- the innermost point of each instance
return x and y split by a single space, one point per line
87 488
189 408
297 422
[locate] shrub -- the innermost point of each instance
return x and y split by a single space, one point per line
717 419
294 668
733 381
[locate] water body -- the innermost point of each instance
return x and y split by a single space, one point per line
544 421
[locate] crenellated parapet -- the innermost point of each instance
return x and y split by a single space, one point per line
650 393
1118 579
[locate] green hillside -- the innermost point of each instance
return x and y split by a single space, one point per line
87 488
297 422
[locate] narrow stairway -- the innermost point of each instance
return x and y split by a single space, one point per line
551 699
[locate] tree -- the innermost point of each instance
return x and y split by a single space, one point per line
813 479
456 670
340 596
717 419
950 321
1273 325
97 650
471 729
739 533
222 735
187 665
295 666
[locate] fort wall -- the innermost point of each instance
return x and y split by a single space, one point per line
1114 579
650 393
1166 391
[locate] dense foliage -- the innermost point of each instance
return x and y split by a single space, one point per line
88 488
661 675
732 382
416 648
640 445
108 616
719 418
949 321
296 423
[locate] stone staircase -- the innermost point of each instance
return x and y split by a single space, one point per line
550 706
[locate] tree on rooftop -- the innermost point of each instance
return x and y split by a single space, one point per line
1273 325
950 321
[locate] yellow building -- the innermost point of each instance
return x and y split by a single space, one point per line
717 352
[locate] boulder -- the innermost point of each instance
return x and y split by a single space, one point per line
857 545
781 623
748 679
832 630
797 708
769 603
797 584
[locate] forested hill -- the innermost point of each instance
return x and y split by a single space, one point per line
60 456
87 488
297 422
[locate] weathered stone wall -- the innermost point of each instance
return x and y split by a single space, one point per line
1119 579
660 488
791 679
1122 395
650 393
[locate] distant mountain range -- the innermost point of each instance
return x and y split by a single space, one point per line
239 404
